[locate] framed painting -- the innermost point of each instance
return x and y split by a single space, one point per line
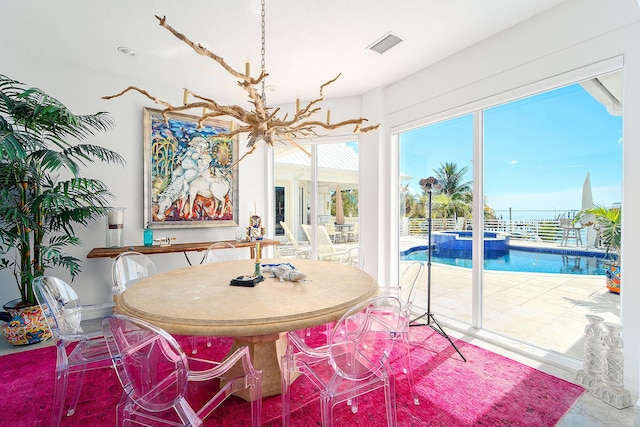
189 175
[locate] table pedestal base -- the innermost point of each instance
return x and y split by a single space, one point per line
265 351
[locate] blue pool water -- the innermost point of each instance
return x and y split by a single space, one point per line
533 261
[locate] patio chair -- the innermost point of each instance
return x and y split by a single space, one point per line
156 376
332 232
569 231
324 246
353 234
77 351
300 250
355 361
216 252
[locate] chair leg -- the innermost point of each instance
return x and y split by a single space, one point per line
255 393
390 402
285 396
194 344
408 369
76 394
59 393
326 405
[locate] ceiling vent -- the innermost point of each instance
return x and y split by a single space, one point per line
385 43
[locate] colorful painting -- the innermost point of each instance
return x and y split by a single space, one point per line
190 177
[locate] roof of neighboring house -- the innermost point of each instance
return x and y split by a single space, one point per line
330 156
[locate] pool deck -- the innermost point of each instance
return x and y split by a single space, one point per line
541 309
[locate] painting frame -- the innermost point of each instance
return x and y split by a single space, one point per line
187 169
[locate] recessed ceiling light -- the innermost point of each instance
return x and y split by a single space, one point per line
126 51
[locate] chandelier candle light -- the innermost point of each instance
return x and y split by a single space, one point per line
261 123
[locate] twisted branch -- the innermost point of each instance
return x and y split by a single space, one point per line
262 122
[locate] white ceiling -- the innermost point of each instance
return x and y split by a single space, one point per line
308 42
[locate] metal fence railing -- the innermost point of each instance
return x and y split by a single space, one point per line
545 230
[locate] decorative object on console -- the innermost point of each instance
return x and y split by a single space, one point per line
255 230
115 228
164 241
189 179
261 123
148 236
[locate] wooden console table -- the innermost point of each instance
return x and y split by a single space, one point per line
176 247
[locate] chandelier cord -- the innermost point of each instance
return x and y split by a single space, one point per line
264 97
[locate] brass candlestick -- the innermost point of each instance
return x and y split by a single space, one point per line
256 271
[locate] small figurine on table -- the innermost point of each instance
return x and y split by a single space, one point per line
255 231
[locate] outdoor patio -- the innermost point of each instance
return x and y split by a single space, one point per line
542 309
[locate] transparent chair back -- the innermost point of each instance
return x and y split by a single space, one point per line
216 252
354 256
358 352
221 251
129 267
63 312
155 374
363 339
410 277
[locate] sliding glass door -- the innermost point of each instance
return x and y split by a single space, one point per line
317 199
544 159
436 195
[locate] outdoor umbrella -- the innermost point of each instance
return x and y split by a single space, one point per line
339 207
587 202
588 220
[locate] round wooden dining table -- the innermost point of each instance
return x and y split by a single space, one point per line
199 300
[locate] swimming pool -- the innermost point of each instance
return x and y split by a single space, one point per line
532 261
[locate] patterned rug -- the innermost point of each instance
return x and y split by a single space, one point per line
487 390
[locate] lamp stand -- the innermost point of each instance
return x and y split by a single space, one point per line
430 318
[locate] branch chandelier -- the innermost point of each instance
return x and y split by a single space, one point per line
261 123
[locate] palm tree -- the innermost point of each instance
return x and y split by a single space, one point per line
451 179
42 195
455 196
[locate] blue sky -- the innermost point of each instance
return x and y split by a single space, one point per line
538 151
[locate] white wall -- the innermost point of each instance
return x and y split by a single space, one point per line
81 90
576 34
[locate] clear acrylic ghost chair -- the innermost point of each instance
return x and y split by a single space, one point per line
127 268
354 257
63 312
406 293
156 376
354 362
221 251
216 252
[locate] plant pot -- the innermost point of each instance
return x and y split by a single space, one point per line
613 277
27 326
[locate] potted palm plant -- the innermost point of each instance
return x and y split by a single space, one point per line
43 194
608 222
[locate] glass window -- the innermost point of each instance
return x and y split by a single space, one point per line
545 158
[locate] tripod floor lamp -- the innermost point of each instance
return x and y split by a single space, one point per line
428 185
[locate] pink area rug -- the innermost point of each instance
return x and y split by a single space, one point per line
487 390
